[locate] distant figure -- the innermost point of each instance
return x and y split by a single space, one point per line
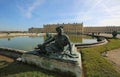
114 34
9 39
93 34
99 38
56 44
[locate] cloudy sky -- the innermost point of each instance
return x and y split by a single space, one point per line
23 14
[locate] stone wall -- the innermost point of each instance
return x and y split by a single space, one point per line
20 34
102 42
13 53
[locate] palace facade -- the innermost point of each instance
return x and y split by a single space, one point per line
74 28
51 28
104 29
68 28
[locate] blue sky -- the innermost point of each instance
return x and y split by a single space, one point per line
23 14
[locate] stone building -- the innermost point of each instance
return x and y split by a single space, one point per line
50 28
104 29
110 29
75 28
94 29
36 30
68 28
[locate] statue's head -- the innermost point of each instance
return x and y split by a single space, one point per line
59 29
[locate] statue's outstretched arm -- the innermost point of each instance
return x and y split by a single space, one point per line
48 41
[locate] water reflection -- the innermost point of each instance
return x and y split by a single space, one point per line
75 38
82 39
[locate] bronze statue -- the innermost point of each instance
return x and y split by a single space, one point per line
56 44
48 36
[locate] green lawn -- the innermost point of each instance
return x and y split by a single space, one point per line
97 66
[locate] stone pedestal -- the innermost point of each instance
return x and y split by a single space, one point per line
72 67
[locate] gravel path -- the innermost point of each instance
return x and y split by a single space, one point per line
114 58
109 35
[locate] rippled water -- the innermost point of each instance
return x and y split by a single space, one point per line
29 42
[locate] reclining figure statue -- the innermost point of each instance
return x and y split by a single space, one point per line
56 44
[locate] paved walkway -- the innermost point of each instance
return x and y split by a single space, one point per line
109 35
114 58
114 55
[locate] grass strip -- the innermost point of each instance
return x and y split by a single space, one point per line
97 66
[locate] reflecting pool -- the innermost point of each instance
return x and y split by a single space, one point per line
28 43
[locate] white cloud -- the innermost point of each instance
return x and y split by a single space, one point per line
112 8
110 22
79 15
27 11
76 19
103 12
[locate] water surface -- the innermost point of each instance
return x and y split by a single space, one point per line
28 43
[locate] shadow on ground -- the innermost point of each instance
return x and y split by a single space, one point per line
18 69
